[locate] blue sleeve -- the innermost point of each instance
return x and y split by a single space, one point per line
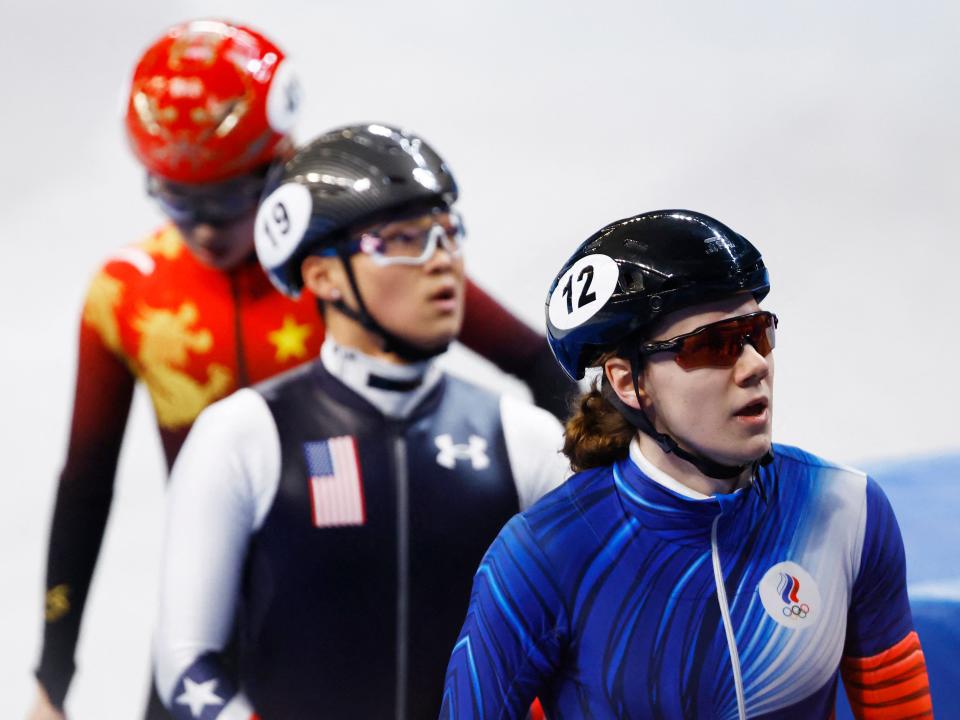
879 614
514 633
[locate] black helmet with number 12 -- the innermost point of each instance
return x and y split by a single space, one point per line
632 272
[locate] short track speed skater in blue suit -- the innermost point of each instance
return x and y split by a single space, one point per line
691 569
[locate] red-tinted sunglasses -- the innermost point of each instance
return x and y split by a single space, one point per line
719 344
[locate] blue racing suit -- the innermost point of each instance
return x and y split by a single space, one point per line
624 594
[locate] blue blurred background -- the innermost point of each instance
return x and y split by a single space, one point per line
922 492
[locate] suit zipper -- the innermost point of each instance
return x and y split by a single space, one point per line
403 573
727 622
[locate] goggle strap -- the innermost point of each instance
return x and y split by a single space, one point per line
391 343
640 420
360 315
705 465
757 481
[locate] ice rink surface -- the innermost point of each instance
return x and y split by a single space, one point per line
824 132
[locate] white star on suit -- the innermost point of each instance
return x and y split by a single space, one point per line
199 695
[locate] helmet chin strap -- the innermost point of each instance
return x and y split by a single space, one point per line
641 421
391 342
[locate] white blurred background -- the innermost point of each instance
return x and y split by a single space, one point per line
826 132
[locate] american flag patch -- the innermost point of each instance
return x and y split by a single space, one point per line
336 486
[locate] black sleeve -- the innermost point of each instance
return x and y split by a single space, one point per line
104 390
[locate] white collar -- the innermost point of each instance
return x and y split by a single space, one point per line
355 370
659 476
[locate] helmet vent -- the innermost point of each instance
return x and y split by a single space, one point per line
631 279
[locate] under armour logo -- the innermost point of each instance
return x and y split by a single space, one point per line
475 450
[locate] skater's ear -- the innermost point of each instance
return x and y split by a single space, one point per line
619 375
325 278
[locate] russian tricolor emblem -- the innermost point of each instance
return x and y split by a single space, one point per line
336 485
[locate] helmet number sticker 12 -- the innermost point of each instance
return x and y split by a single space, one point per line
582 291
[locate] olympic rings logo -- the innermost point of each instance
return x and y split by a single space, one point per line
799 611
790 596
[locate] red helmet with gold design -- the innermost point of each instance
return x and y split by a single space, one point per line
210 100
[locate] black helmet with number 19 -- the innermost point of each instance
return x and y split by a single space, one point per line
343 179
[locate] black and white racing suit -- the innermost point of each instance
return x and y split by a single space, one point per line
335 517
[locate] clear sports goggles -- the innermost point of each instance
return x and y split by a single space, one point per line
413 240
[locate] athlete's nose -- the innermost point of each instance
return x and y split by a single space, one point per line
442 258
751 366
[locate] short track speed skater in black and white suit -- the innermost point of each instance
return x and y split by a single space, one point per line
330 521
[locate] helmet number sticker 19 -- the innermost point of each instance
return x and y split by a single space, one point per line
281 223
281 220
582 291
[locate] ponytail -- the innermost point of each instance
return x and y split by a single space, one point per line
597 434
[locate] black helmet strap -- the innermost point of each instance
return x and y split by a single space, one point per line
641 421
391 342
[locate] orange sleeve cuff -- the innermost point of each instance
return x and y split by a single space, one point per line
891 684
536 711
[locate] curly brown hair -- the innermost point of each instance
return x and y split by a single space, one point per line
597 433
